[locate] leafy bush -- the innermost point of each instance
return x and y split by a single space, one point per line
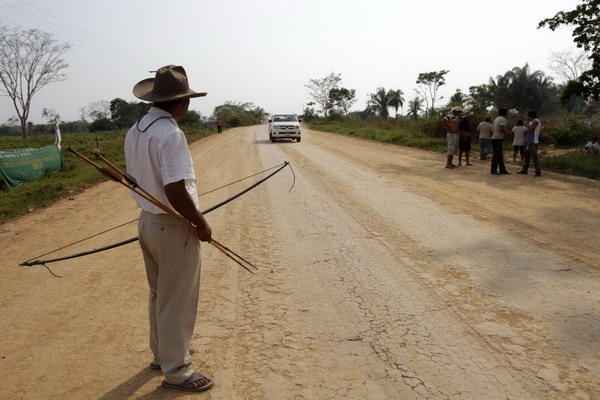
570 132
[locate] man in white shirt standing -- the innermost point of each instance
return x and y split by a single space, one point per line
498 167
485 130
158 157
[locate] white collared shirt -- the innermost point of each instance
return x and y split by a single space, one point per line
156 154
499 122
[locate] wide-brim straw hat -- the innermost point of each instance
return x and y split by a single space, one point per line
170 83
467 114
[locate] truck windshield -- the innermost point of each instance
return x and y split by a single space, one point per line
284 118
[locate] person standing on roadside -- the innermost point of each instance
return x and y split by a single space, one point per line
533 138
219 126
158 157
485 130
518 132
57 137
498 167
450 121
464 142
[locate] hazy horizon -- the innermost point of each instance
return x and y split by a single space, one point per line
265 53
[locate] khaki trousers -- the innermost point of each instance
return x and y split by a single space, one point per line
171 253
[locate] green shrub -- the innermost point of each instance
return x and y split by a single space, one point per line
570 132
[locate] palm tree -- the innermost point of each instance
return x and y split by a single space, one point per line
524 90
381 101
415 106
396 99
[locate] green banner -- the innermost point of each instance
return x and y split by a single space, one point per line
27 165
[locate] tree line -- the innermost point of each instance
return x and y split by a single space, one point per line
31 59
519 89
119 114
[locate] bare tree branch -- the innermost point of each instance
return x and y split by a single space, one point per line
29 60
569 64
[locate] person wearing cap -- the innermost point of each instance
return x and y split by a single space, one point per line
498 167
450 121
464 141
158 157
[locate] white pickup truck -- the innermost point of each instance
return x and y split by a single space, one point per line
284 126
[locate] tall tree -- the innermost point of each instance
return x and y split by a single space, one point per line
381 101
568 64
234 113
342 98
428 86
29 60
98 109
51 116
585 19
415 106
124 114
481 97
319 89
459 97
191 119
523 89
396 100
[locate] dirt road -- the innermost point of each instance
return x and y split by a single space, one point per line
382 276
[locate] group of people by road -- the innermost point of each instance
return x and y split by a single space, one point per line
491 138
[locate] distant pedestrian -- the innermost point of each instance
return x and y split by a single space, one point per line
518 140
498 167
485 130
57 137
592 147
219 126
464 140
533 138
450 121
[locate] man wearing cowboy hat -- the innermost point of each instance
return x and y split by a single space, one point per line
158 157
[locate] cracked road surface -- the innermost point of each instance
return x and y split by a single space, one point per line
382 276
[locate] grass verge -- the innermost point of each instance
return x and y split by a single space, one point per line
573 163
76 174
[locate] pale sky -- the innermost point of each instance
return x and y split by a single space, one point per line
265 51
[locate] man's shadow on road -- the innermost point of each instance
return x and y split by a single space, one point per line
127 389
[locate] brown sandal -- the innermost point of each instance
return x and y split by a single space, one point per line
195 377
